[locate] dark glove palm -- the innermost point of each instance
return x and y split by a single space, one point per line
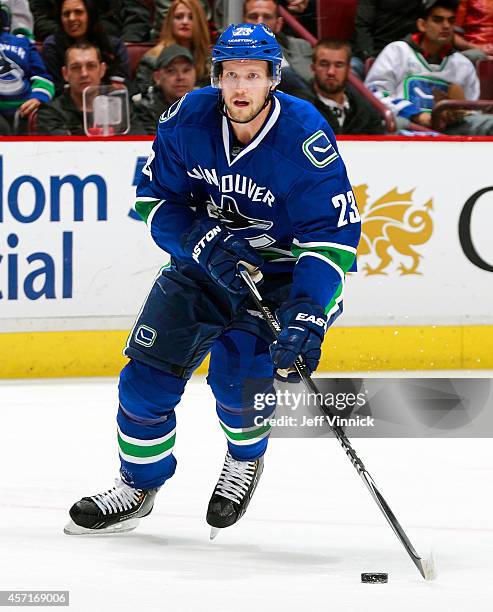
219 251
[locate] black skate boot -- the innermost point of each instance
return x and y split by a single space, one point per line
115 511
233 492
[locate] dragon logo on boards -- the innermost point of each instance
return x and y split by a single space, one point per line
392 224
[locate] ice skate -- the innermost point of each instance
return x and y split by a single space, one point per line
233 492
117 510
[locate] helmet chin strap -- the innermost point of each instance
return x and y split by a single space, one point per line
223 110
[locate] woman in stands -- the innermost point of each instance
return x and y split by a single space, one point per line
186 25
79 21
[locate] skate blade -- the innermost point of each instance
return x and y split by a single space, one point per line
72 528
214 532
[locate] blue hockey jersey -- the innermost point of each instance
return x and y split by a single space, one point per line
286 192
22 74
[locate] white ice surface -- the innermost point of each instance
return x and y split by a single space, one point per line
310 531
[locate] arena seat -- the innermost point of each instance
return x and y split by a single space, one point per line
135 53
336 18
485 74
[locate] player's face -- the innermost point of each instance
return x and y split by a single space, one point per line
262 11
74 18
245 85
438 27
176 79
83 69
330 68
183 23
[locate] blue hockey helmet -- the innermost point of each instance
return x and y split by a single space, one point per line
247 41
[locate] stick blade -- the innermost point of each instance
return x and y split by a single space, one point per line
429 568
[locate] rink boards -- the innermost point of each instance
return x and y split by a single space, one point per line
76 263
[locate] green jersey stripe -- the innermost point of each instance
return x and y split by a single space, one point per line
341 258
145 207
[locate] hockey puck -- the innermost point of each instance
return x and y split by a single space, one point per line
379 578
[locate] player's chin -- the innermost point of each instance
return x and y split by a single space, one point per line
241 113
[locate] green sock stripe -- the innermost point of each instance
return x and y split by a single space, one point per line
247 435
134 450
343 259
144 209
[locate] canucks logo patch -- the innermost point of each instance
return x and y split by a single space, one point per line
319 149
146 336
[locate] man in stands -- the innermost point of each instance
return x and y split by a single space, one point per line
344 108
410 75
175 75
64 116
296 52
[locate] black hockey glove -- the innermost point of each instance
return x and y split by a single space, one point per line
303 325
219 252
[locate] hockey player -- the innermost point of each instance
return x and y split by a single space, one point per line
238 173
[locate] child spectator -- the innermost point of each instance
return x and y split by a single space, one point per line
24 81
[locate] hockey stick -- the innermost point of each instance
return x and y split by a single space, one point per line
426 567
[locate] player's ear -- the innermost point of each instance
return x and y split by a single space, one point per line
155 77
103 68
421 23
65 73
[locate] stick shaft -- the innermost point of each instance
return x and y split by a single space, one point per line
339 433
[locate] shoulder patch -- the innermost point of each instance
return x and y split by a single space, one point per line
172 110
319 149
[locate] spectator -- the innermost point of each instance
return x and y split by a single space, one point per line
79 22
161 10
125 19
344 108
410 75
185 25
21 22
297 53
175 75
475 18
83 68
129 20
377 24
305 11
24 80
